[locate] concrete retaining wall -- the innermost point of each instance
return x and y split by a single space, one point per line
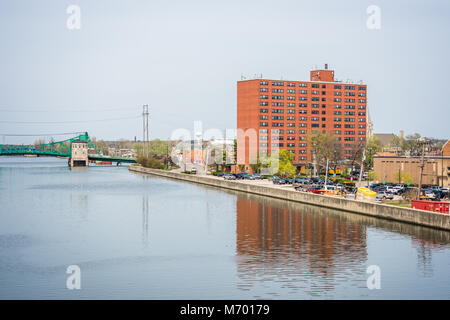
414 216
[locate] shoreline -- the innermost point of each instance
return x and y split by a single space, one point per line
383 211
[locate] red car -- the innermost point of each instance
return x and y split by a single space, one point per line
314 190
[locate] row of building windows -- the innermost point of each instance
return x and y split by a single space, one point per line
348 100
313 85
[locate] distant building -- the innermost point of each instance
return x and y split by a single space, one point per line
436 170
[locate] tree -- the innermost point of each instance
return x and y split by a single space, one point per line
323 145
402 177
411 145
256 166
372 175
285 167
373 146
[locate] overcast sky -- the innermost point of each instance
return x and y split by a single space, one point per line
183 58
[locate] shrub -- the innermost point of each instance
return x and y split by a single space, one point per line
150 162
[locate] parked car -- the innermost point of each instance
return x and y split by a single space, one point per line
314 189
229 177
279 181
194 170
385 195
299 183
257 176
350 196
242 175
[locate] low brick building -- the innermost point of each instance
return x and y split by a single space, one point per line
436 170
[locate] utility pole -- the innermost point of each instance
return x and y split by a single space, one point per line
362 166
326 174
145 128
442 168
422 165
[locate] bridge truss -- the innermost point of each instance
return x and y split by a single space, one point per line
59 149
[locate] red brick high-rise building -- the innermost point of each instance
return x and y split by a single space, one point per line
281 113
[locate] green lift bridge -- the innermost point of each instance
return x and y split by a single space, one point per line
60 149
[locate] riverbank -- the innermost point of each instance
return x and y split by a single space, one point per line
408 215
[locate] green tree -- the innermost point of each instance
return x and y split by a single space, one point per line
402 177
285 167
372 175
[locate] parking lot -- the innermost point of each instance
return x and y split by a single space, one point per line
384 193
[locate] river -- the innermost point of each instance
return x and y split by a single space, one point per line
140 237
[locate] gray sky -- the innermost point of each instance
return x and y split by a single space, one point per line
183 58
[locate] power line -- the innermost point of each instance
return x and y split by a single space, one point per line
61 122
39 134
67 110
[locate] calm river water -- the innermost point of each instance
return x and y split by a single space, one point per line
142 237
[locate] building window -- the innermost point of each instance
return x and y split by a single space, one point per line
304 85
277 90
278 84
264 89
264 83
264 97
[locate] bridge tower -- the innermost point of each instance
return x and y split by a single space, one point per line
79 154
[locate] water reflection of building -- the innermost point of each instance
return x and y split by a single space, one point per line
299 246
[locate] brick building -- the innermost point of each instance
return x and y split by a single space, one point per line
282 114
436 168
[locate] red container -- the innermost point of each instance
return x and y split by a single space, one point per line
435 206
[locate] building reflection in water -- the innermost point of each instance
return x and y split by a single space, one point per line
313 250
279 242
